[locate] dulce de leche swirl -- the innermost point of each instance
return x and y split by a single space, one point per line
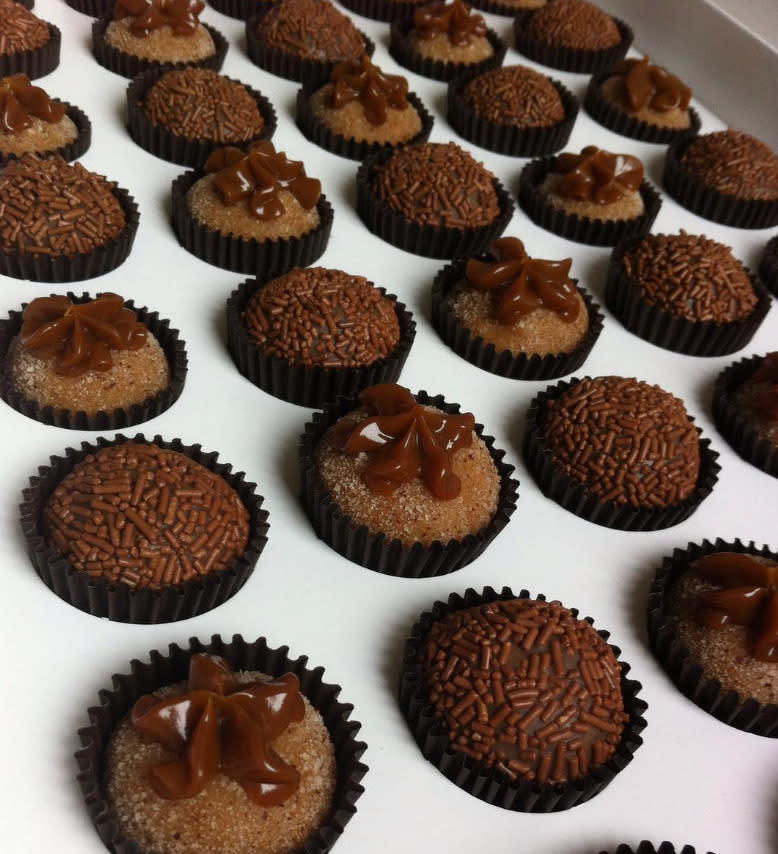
646 85
220 725
518 284
79 337
364 82
597 176
455 20
180 15
405 441
21 102
259 175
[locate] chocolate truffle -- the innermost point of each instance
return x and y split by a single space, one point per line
515 95
27 44
757 399
449 33
573 23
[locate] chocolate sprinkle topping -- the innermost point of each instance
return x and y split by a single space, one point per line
515 95
311 29
574 23
20 30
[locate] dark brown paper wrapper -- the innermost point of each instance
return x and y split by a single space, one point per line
309 386
240 254
570 494
93 8
162 142
241 9
513 140
131 66
428 240
710 204
35 63
768 268
119 602
383 10
619 121
595 232
343 146
646 847
28 4
405 55
85 265
625 299
288 65
477 778
173 348
735 425
166 669
581 60
375 551
742 713
504 363
73 150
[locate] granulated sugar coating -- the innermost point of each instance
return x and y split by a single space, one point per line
311 29
624 440
691 276
40 136
160 45
439 47
20 30
515 95
221 819
629 206
575 24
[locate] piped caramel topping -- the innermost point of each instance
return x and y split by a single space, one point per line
764 398
646 85
749 597
456 20
259 176
364 82
221 725
180 15
21 102
405 441
518 284
597 176
80 337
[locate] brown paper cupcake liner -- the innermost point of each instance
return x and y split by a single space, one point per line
173 348
580 60
513 140
383 10
570 494
729 707
241 254
625 299
711 204
35 63
131 66
646 847
84 265
504 363
428 240
403 53
343 146
376 551
310 386
735 425
288 65
614 118
119 602
241 9
162 142
479 779
768 267
166 669
595 232
73 150
93 8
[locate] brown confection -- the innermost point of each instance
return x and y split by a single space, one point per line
133 514
20 30
311 29
29 120
54 208
624 441
648 92
526 688
573 23
438 184
757 398
450 33
198 103
734 164
515 95
691 276
316 316
410 472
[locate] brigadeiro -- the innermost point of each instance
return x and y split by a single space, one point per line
518 701
28 45
768 267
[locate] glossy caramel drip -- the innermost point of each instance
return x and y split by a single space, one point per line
21 102
180 15
748 597
364 82
259 176
405 441
597 176
518 284
764 400
647 85
456 20
79 337
222 726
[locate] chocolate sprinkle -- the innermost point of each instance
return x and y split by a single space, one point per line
573 23
515 95
20 30
311 29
